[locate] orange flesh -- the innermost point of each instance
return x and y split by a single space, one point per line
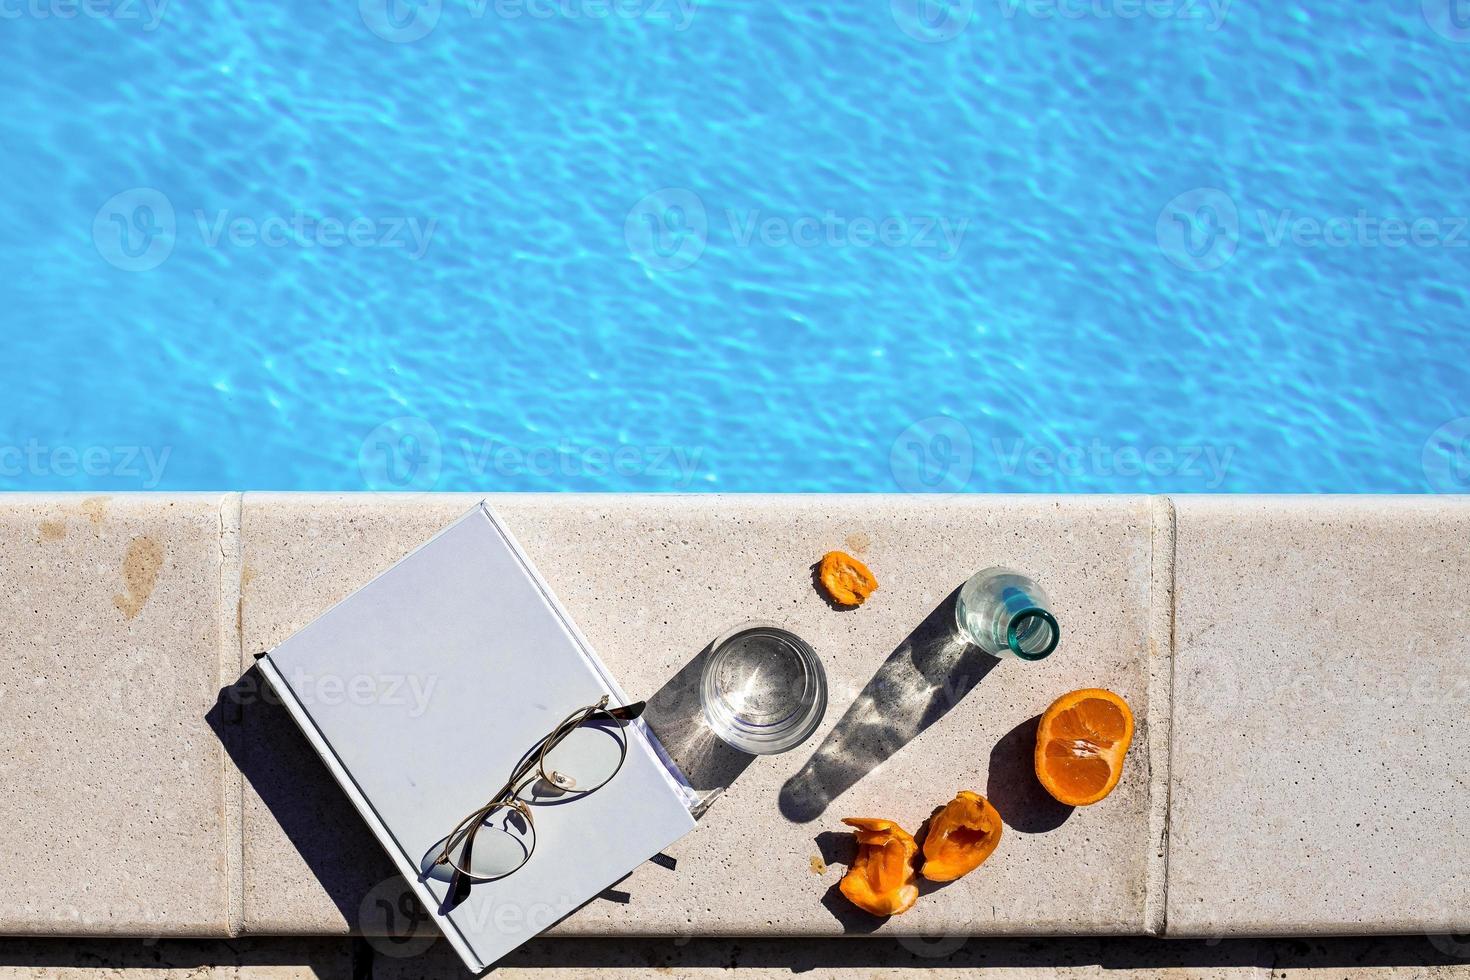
1080 746
961 836
881 880
847 580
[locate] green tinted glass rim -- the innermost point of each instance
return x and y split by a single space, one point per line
1014 642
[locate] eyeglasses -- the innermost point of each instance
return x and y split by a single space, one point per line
580 756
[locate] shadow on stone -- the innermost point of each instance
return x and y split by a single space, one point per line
676 717
836 849
342 958
265 744
928 675
1013 789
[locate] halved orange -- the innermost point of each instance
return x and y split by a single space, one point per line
1080 745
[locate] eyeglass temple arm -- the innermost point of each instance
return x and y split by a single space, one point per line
628 712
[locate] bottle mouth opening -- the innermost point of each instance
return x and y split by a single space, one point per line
1033 633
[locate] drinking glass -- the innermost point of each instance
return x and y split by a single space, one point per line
763 690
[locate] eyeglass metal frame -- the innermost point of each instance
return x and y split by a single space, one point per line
531 769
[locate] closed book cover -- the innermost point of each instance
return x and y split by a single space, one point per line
468 623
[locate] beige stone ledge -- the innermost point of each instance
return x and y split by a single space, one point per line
115 787
651 581
1321 716
1241 811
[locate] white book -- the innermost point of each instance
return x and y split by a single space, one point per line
468 623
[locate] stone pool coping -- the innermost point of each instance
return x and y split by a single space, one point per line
1283 778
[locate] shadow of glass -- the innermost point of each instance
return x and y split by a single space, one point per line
931 671
1012 787
675 716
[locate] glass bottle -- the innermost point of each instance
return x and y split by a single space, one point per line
1006 614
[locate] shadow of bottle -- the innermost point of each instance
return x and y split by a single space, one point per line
929 673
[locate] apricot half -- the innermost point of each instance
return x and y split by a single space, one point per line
960 837
881 879
847 580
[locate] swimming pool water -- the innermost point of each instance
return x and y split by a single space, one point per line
1051 245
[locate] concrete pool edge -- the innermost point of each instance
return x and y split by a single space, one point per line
1311 569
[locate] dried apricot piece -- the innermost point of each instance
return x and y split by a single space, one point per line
961 836
1080 745
847 580
881 879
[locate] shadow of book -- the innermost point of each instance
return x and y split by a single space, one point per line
676 717
929 674
290 779
316 817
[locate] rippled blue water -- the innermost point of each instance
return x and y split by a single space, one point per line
1083 245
